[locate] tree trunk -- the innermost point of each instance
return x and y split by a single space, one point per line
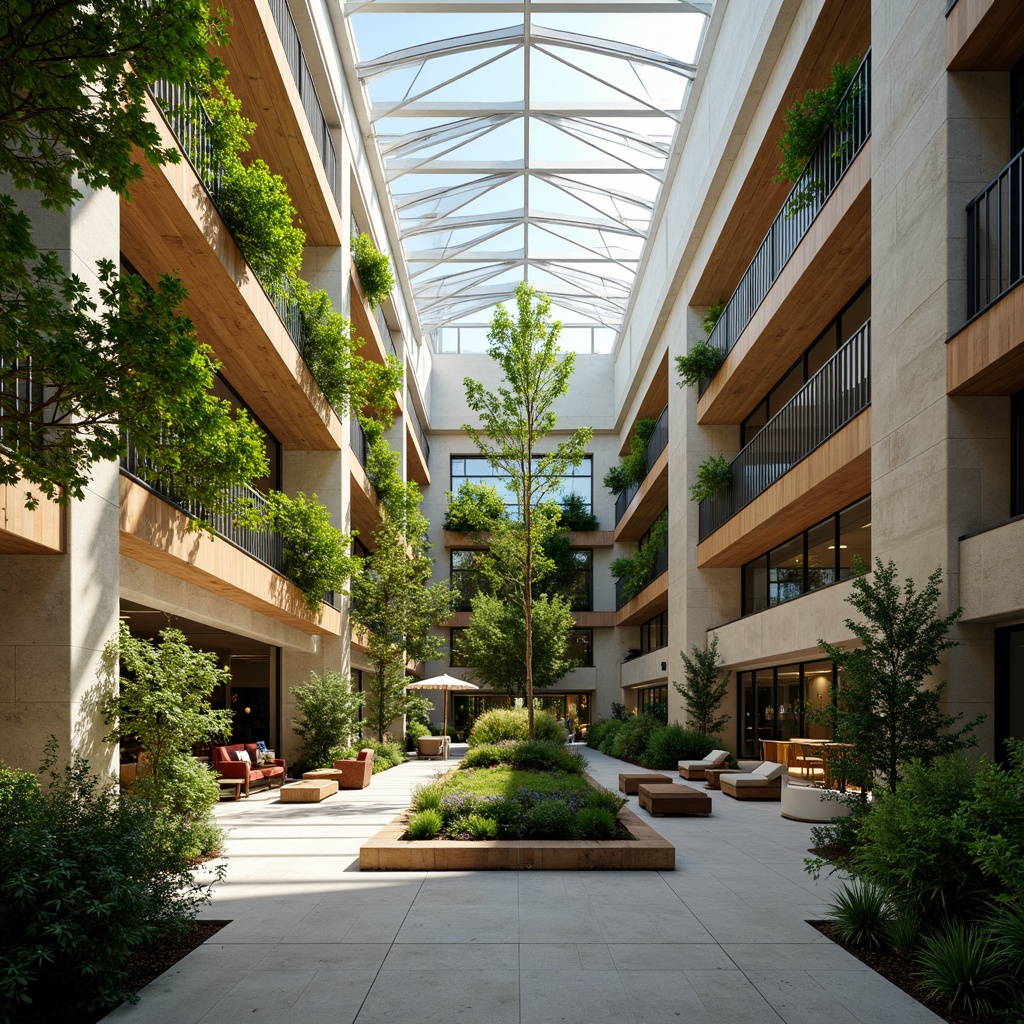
528 608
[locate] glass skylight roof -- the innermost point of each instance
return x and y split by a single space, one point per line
524 140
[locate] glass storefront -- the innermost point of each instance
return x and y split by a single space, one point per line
773 703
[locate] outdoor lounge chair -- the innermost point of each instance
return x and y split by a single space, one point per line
432 747
763 783
694 770
355 772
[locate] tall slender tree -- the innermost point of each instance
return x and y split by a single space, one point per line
705 687
515 420
392 596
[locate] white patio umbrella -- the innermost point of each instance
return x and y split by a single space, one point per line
444 683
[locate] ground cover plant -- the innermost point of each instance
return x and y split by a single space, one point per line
512 799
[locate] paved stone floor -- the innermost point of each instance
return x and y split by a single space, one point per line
723 938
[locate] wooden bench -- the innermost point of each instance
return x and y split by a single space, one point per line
629 784
309 791
673 799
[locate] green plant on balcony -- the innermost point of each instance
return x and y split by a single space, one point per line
635 571
806 121
700 363
633 467
373 268
714 475
473 508
575 514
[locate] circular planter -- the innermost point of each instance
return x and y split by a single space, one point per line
808 803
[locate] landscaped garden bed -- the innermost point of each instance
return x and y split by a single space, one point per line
513 805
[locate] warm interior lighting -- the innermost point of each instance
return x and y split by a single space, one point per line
832 547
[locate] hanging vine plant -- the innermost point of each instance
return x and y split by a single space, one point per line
714 475
373 268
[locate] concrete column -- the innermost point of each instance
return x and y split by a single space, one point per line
58 611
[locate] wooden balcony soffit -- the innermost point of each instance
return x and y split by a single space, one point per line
157 534
831 262
986 357
416 462
647 503
261 78
651 601
170 226
984 35
654 401
831 477
29 533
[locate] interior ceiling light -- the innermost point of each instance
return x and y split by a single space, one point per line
526 151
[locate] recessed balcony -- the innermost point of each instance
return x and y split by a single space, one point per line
641 503
823 430
780 301
171 225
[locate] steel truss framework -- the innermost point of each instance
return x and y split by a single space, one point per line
493 189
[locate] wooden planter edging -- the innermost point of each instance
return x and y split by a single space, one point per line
387 851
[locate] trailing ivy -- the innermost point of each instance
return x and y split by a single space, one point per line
700 363
373 268
714 475
635 572
633 467
806 121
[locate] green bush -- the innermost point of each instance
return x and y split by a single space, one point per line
487 756
386 754
615 726
428 797
425 824
960 965
574 514
473 508
500 724
415 730
700 363
86 875
633 467
544 756
860 913
595 823
670 744
549 819
481 827
1007 930
374 270
714 475
597 732
632 739
606 800
548 729
637 570
328 708
903 933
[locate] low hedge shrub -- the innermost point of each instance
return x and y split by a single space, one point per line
670 744
632 738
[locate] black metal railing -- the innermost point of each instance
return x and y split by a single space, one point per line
660 568
421 435
995 237
357 439
307 92
385 332
837 393
21 398
656 444
839 146
264 546
192 126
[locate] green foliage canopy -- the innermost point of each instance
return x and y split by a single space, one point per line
328 709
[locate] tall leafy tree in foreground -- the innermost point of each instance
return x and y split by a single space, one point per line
392 596
80 366
515 421
705 687
883 707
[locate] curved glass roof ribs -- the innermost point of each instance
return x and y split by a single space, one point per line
532 151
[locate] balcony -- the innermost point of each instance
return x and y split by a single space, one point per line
657 442
986 357
418 448
171 225
833 397
780 298
245 566
271 76
24 532
983 35
651 600
364 517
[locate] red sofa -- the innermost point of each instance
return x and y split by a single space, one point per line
224 761
355 773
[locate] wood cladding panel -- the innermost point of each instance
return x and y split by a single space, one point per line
834 475
24 532
157 534
262 80
987 356
170 226
831 262
365 516
647 503
652 600
416 462
984 35
654 401
841 31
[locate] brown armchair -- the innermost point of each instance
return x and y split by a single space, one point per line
355 773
